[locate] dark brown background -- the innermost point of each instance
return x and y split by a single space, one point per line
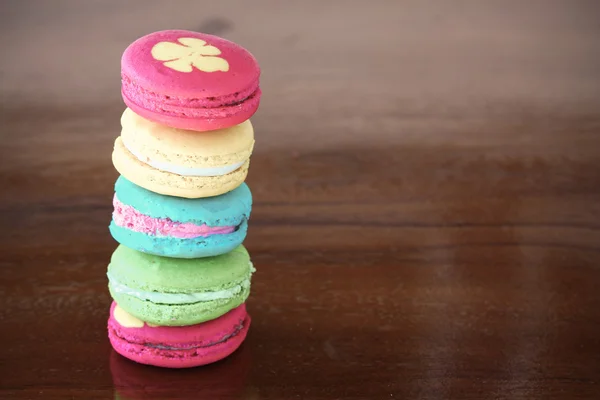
427 199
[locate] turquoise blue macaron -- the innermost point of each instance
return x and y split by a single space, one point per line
179 227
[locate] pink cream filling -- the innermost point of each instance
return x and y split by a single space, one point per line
130 218
244 101
135 92
248 105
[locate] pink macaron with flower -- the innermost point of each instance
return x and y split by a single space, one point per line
190 80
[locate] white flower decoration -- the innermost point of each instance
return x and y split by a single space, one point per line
190 53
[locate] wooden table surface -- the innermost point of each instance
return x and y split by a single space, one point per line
427 200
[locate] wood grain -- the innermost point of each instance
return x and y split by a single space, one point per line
427 200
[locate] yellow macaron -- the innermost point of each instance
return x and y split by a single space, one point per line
179 162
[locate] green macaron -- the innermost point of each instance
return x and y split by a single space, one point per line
175 291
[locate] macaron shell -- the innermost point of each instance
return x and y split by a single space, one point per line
187 148
172 184
139 64
152 273
212 340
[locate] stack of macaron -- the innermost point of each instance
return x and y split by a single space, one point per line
180 277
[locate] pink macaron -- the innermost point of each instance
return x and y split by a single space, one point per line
177 347
190 80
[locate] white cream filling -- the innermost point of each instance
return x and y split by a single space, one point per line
177 298
185 171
